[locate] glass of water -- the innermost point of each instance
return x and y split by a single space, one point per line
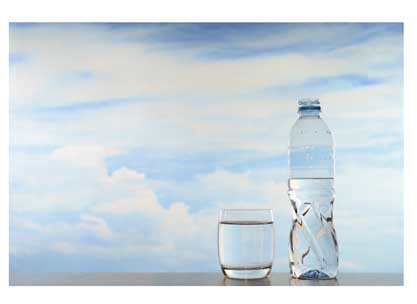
246 243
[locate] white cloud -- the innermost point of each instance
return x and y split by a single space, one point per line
123 193
368 191
144 202
126 193
126 174
85 154
243 189
172 115
126 69
95 224
29 237
176 125
68 178
64 248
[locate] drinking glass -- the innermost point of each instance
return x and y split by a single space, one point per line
246 243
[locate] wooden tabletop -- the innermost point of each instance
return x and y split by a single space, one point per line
194 279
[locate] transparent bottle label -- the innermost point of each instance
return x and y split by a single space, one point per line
311 161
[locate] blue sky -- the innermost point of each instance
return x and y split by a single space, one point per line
126 139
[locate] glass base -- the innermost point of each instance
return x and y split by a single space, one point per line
246 273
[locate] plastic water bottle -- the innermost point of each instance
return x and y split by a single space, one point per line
313 249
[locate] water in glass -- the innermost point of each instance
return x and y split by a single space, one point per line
246 246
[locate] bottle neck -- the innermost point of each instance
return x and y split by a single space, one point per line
309 113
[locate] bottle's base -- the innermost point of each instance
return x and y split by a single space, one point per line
246 273
314 275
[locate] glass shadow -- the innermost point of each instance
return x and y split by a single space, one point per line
254 282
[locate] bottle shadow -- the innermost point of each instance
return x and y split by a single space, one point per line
304 282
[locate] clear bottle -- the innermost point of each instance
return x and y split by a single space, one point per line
313 249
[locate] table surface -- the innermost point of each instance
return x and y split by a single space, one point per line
194 279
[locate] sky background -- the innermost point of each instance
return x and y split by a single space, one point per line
126 139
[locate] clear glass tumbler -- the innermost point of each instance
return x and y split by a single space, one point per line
246 243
